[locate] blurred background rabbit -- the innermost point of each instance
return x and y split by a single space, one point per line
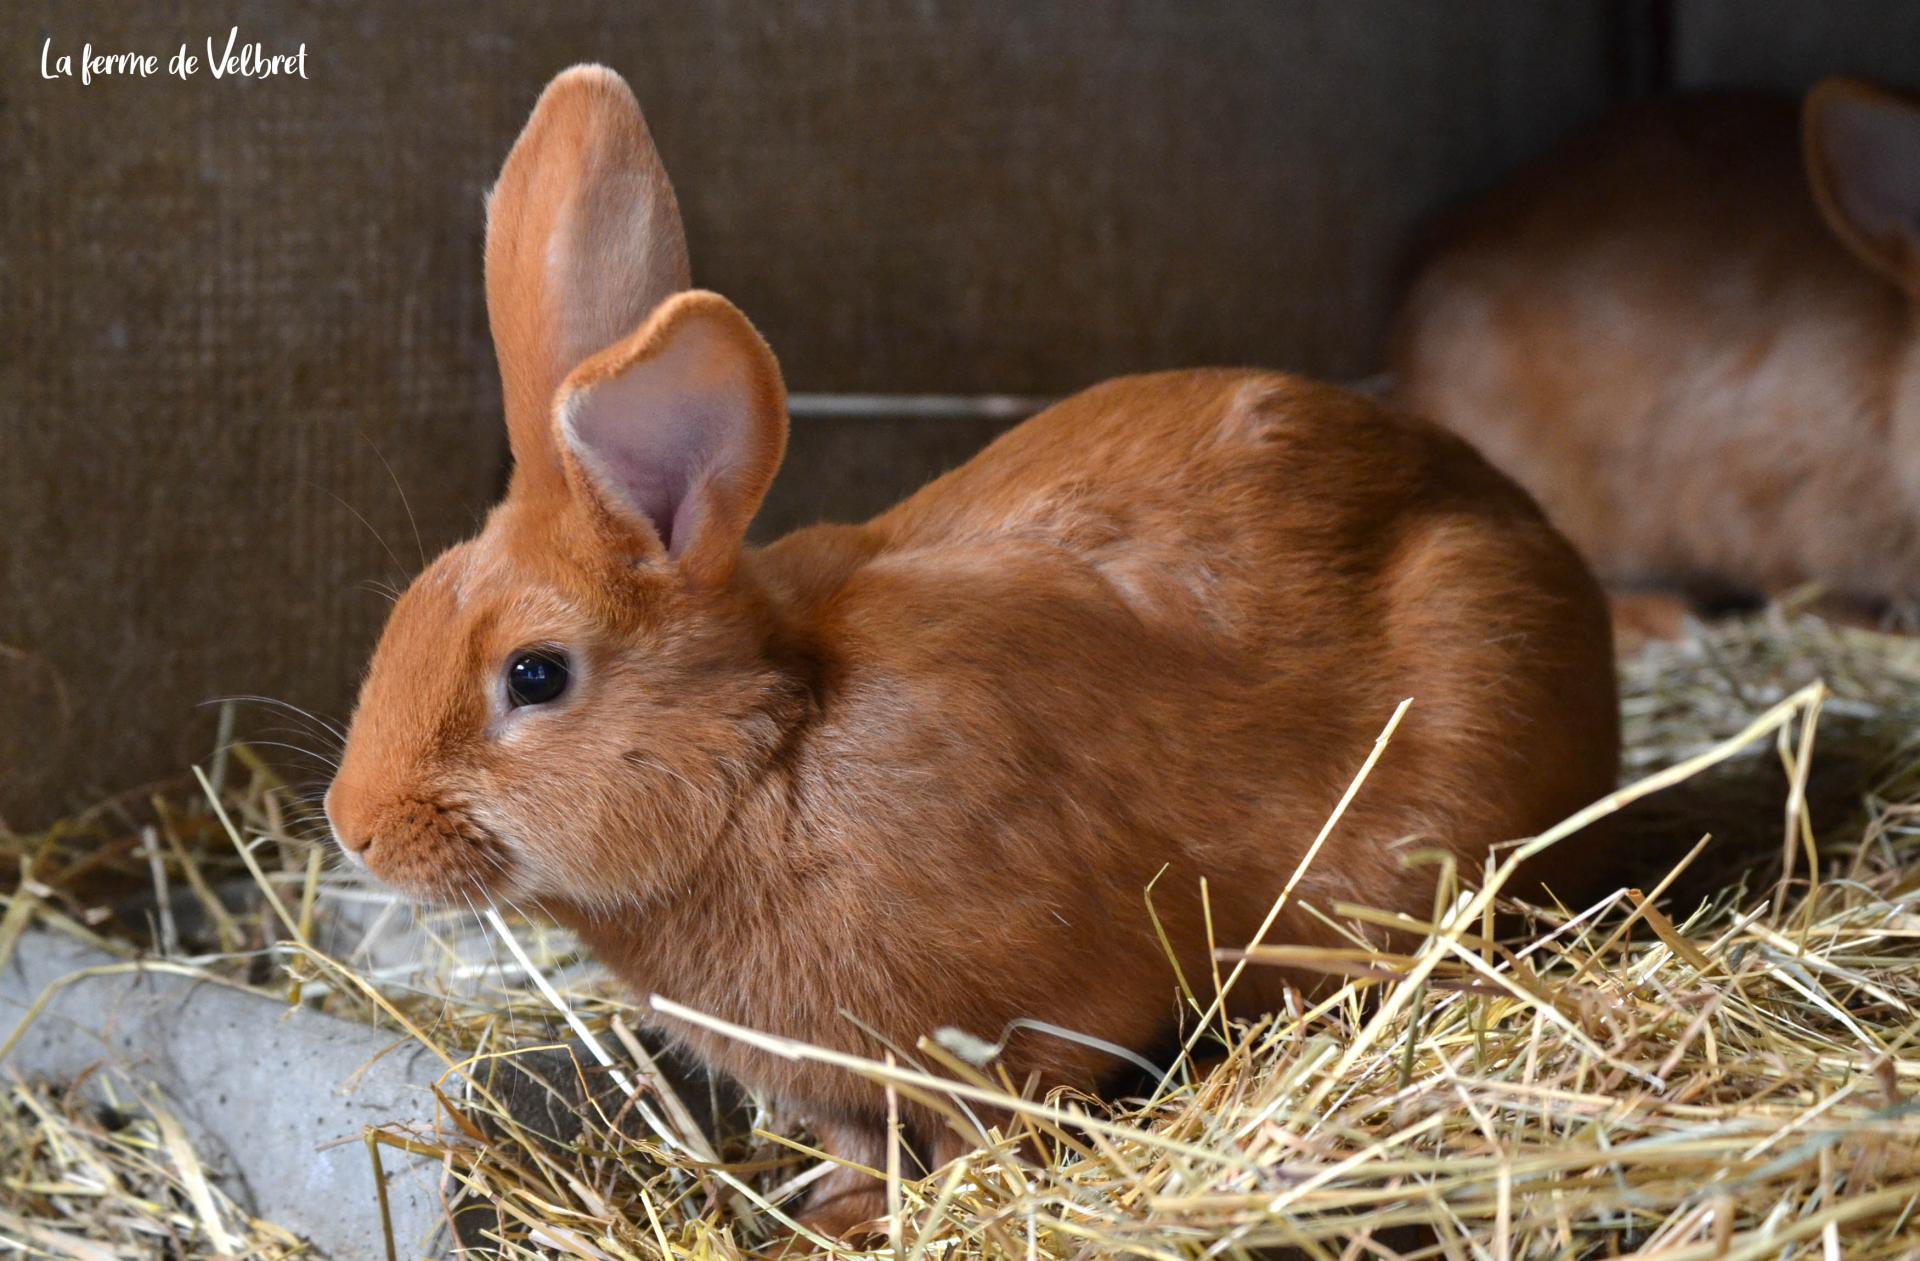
1690 332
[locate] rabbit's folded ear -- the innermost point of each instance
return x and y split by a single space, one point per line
674 434
1863 158
583 240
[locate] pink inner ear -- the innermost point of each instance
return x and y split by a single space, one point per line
655 437
649 452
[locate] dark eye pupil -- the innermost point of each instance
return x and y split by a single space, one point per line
534 678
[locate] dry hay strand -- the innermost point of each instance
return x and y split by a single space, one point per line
1718 1061
107 1180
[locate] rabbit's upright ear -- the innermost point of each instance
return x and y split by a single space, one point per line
583 240
673 435
1863 157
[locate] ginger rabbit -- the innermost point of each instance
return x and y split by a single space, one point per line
923 770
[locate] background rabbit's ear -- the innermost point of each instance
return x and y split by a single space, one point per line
674 434
583 240
1863 157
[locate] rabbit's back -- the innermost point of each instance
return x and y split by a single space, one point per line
1253 512
1321 555
1655 332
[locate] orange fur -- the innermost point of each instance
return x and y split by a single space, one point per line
923 770
1659 331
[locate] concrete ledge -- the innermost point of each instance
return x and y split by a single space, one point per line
275 1098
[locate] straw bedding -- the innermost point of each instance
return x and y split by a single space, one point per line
1717 1061
111 1178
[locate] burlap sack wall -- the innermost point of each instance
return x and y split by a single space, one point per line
243 355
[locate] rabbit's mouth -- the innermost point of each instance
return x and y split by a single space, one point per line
431 850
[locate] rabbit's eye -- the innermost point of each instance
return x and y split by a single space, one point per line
536 676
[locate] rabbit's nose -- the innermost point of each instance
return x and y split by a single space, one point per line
353 842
